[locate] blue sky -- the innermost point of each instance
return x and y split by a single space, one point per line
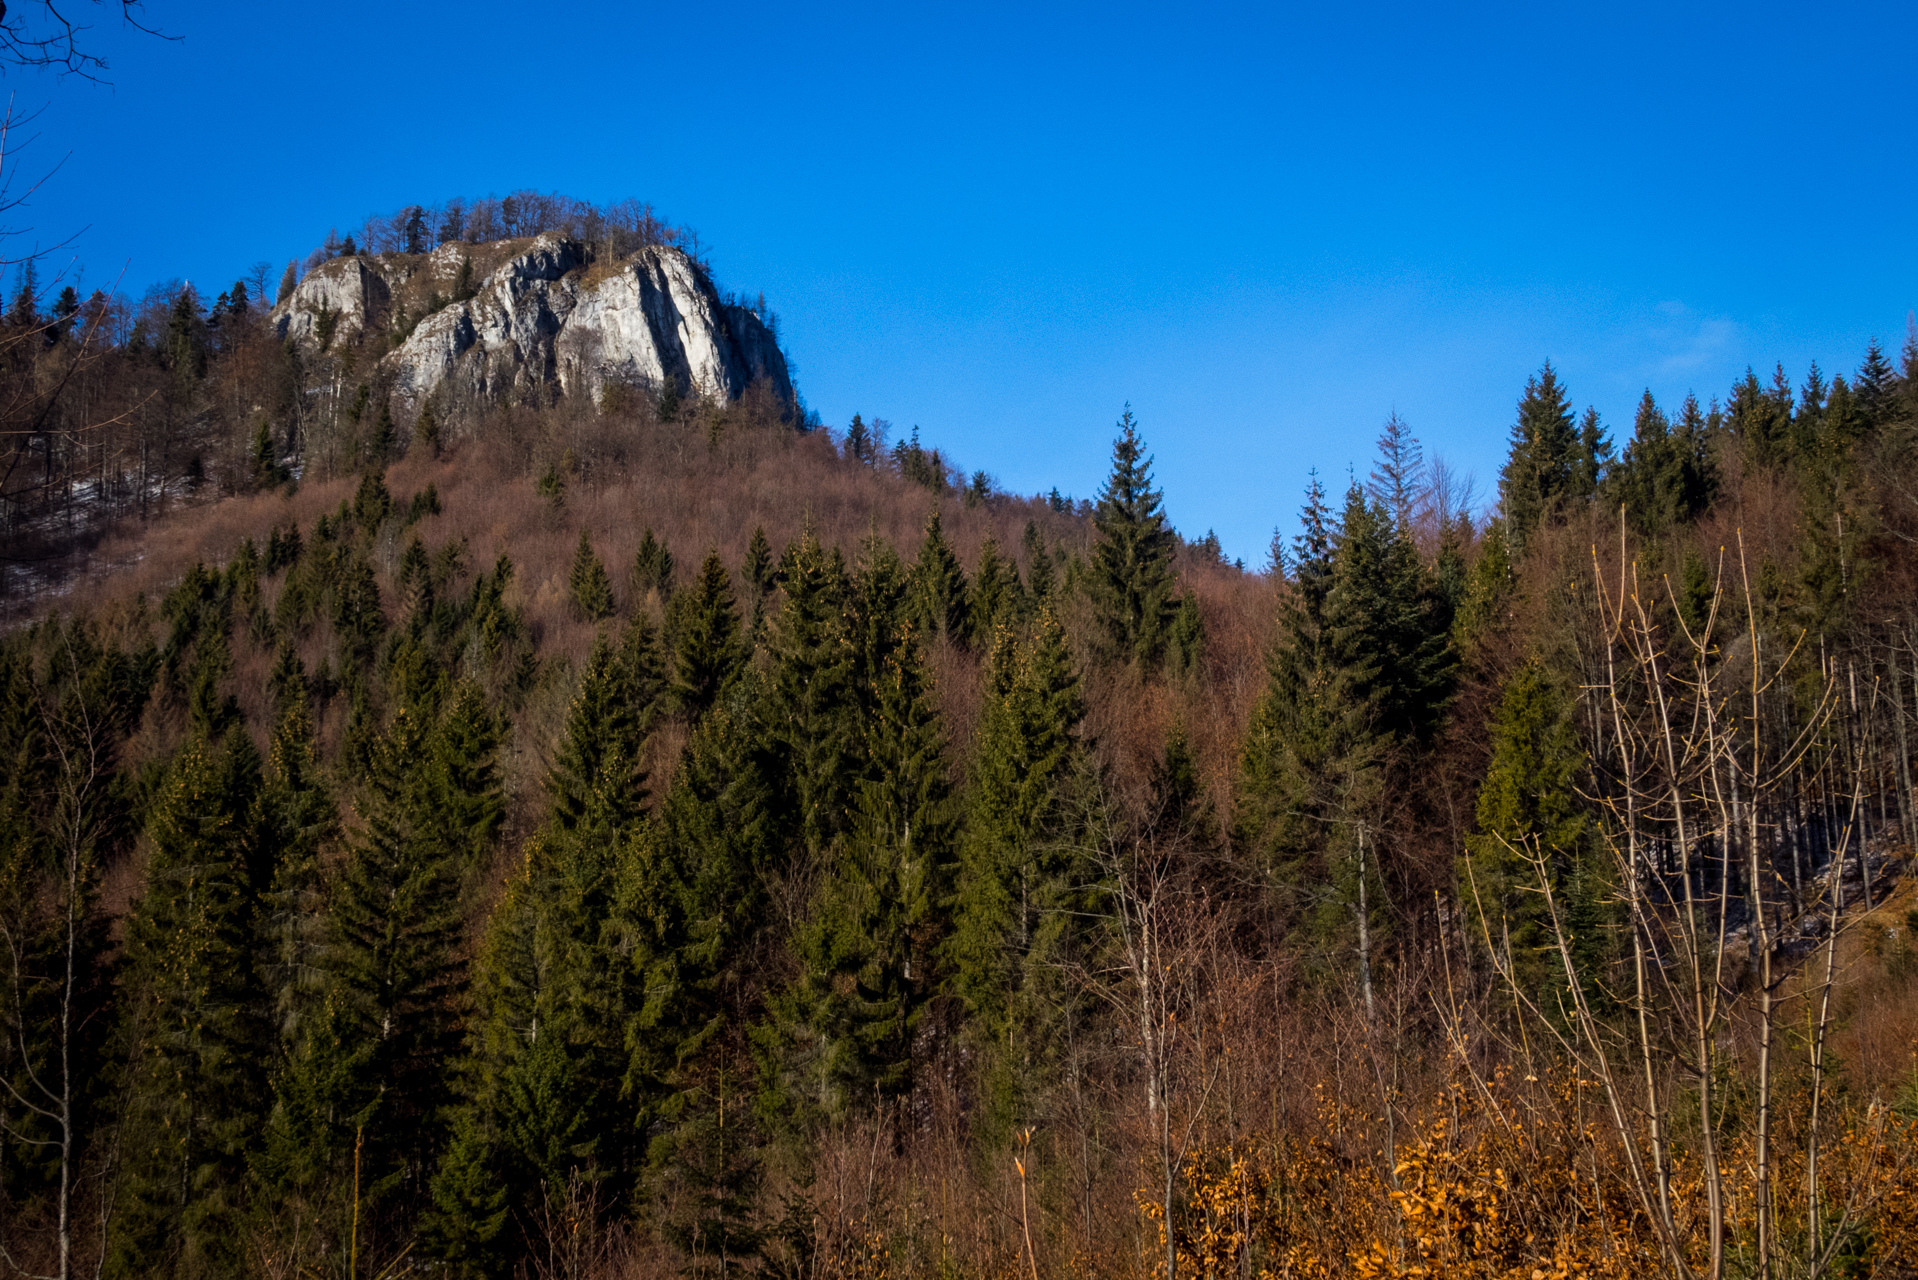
1265 228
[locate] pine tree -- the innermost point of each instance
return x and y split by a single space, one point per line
1016 909
694 915
1177 810
592 589
596 783
941 604
1544 461
197 1047
464 800
289 281
708 651
1760 419
1130 577
1594 461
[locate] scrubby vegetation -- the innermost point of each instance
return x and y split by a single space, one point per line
658 836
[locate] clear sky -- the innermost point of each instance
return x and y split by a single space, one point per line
1265 228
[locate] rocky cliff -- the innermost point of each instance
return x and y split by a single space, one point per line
542 313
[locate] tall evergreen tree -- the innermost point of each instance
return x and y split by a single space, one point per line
197 1046
997 596
1544 462
1399 473
813 702
377 1062
708 650
1018 904
1529 808
589 583
941 604
1130 575
299 813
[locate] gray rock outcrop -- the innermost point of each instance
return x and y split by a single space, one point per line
547 316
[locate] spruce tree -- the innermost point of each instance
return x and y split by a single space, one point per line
547 1044
812 695
1310 764
1038 567
998 599
197 1045
289 281
1130 576
709 872
652 569
941 605
1018 887
760 574
1185 639
1544 462
1529 811
591 587
1399 473
1387 629
708 651
843 1029
299 812
395 972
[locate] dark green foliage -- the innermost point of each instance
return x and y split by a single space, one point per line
1760 418
548 1045
1545 464
1665 476
297 818
842 1032
1178 812
1385 626
195 1068
1038 564
708 651
1019 885
596 784
940 603
919 465
1362 665
811 711
652 573
1130 578
1531 821
1185 639
998 599
589 582
377 1054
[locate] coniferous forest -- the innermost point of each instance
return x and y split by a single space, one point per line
652 834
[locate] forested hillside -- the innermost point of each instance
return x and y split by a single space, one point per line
651 834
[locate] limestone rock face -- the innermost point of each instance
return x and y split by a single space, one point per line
547 317
349 288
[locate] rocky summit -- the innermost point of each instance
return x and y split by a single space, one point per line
513 319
